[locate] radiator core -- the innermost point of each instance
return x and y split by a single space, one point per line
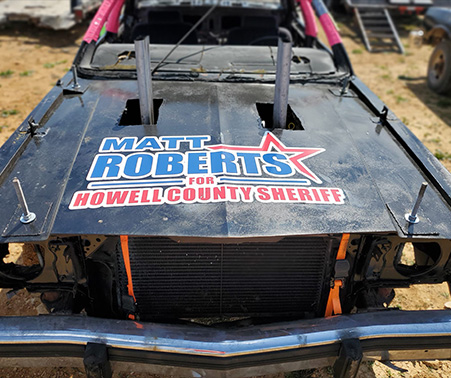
173 279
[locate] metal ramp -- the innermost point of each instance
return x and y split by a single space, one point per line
378 29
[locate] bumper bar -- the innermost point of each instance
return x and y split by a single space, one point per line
200 351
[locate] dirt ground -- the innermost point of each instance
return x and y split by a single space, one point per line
32 60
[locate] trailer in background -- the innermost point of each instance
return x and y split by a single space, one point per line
57 15
376 24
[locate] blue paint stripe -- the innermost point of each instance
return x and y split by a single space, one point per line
299 182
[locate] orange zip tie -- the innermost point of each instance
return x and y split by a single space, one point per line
128 269
333 303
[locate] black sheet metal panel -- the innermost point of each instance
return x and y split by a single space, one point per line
393 151
225 113
15 145
202 279
43 166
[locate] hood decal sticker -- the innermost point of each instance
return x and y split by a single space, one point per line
154 171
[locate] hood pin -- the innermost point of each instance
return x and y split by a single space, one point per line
75 84
27 216
412 217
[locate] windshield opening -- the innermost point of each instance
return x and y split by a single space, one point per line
217 39
232 23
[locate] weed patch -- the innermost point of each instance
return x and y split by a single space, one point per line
52 65
7 73
440 155
7 113
26 73
399 99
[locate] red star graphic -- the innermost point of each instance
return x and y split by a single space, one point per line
270 141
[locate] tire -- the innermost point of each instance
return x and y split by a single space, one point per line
439 68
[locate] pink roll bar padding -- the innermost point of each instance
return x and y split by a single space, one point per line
329 28
311 29
112 25
92 34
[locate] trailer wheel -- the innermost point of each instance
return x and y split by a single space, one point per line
439 68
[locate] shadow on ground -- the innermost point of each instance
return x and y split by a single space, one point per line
440 105
365 371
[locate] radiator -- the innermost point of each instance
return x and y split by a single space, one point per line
170 279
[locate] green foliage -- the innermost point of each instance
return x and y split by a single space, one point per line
440 155
400 99
26 73
7 113
7 73
52 65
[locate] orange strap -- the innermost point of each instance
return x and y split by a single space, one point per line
333 303
341 254
126 256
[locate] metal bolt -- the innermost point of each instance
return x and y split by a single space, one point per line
27 216
75 84
412 217
345 86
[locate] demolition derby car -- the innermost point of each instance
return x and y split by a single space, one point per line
212 192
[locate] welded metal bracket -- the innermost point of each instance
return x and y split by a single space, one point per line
348 362
340 93
96 361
